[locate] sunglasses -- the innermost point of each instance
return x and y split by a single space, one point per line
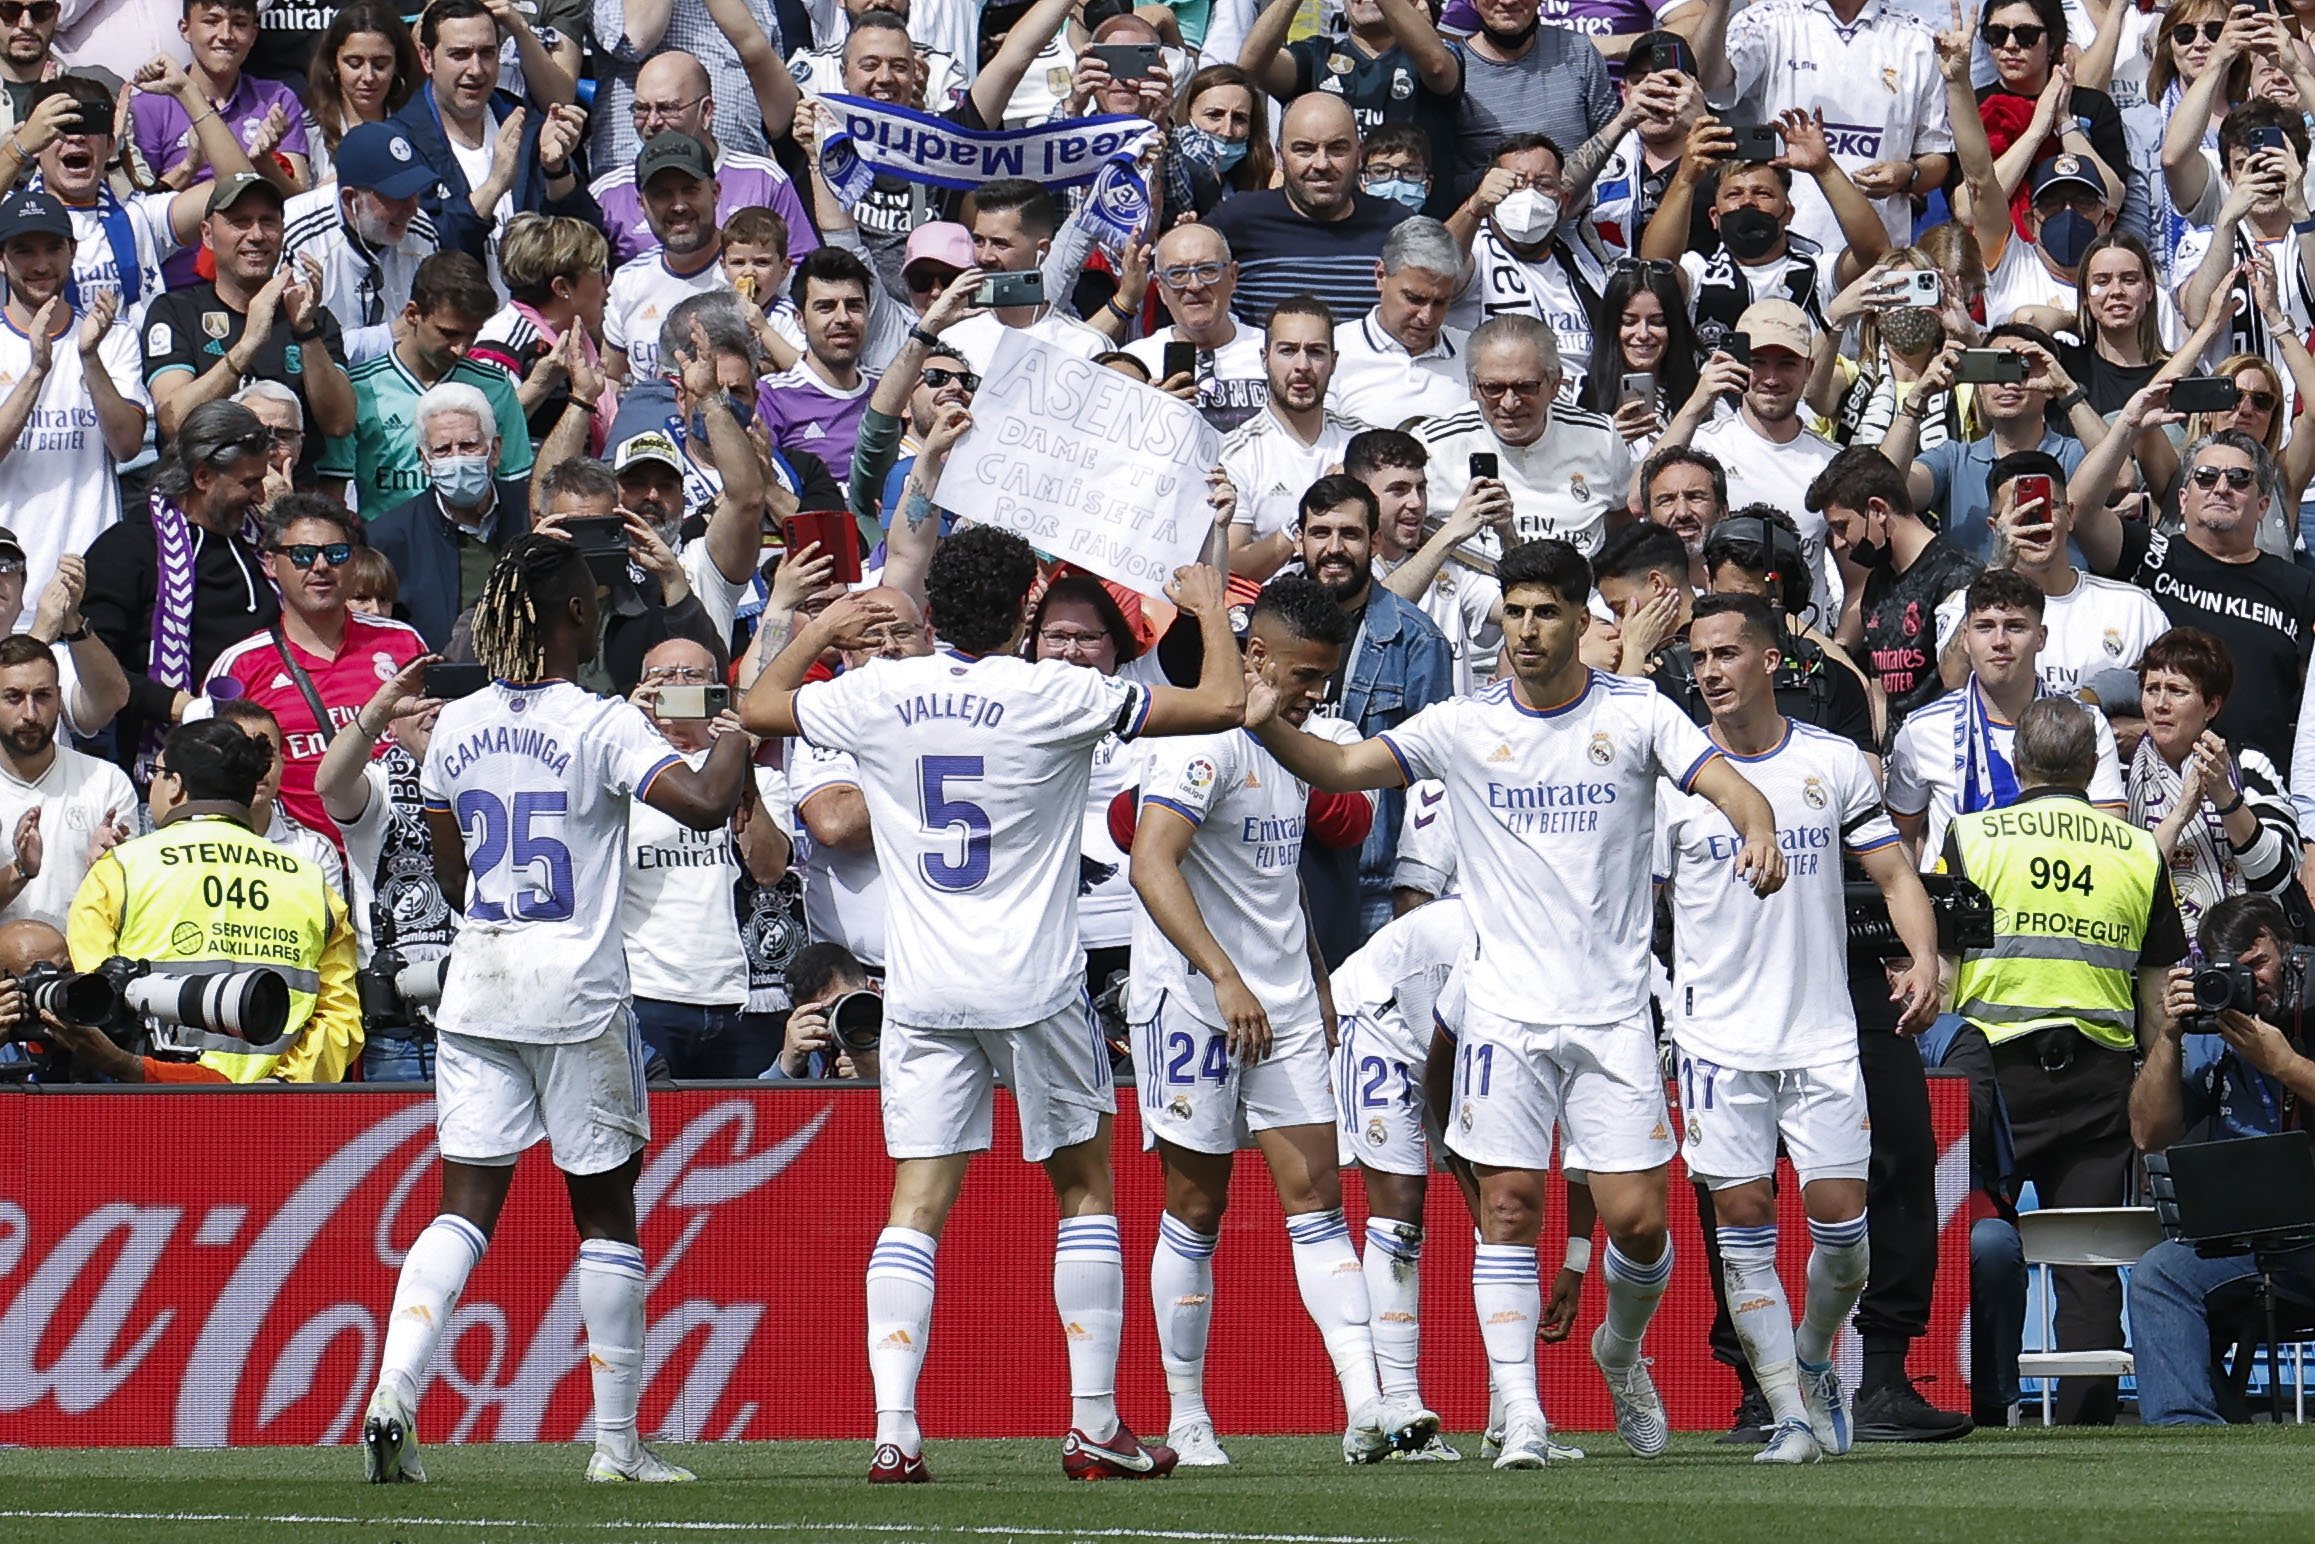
2184 32
2015 37
2264 401
42 13
255 443
1495 391
930 281
936 377
301 555
2238 477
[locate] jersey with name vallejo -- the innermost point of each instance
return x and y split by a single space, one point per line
975 773
1243 870
1554 811
1394 981
539 778
1761 983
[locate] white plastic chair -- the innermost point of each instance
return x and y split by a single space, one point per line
2096 1236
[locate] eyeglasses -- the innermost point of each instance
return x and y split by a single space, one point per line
1183 275
646 112
1496 391
2183 33
675 675
1066 638
2238 477
301 554
42 13
936 377
280 437
2015 37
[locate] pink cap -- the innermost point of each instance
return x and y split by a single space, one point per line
939 241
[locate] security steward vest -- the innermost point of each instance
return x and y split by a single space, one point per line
2072 889
205 894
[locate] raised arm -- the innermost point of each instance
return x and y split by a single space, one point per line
769 709
704 797
1411 29
768 76
547 78
345 792
1001 76
1218 701
2097 528
1979 203
1323 764
1264 57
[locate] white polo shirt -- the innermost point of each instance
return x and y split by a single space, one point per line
1378 380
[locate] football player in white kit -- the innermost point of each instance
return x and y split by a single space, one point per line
1551 782
1761 1017
975 764
1229 1032
526 787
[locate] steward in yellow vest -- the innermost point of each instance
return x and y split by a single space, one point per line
203 894
2085 930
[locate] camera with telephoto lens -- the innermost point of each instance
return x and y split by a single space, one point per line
1964 916
2226 987
141 1004
856 1021
398 997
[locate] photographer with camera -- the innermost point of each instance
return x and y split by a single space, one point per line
226 915
2226 1063
838 1020
35 963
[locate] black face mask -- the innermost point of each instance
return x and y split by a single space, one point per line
1510 42
1748 234
1871 555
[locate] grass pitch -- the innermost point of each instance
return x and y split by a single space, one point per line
2229 1484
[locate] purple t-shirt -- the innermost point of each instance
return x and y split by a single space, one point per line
163 133
1592 18
803 412
743 182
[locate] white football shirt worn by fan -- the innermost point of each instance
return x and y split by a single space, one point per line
1554 812
1394 981
1243 870
1760 983
682 934
975 773
539 778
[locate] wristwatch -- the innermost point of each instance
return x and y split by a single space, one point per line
2070 401
310 335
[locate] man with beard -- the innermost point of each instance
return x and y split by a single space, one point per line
60 808
1392 68
1013 221
120 240
1315 233
1464 603
1685 491
450 299
370 789
675 95
1276 454
1769 454
443 542
676 177
74 404
317 665
258 320
1526 260
654 599
27 59
1397 664
816 406
366 233
1760 256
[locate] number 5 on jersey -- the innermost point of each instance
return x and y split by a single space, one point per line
944 817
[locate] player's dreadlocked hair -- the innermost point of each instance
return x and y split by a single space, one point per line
535 575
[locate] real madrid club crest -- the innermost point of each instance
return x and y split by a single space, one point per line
1179 1107
2113 643
1464 1119
1579 488
1339 64
1813 794
1602 750
1376 1132
1057 80
216 324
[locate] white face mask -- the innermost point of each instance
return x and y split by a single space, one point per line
1527 216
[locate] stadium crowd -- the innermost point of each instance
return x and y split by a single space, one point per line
1971 348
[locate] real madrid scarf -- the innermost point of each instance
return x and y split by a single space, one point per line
1100 154
1987 780
170 660
2203 870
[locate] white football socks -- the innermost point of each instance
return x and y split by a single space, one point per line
1509 1301
1333 1285
611 1282
1763 1318
899 1323
1181 1290
433 1275
1089 1294
1394 1289
1634 1289
1838 1262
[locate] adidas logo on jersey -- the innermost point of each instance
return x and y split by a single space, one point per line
281 681
1253 779
1501 753
814 432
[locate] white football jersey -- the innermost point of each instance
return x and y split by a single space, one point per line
681 929
975 773
1928 762
539 778
1271 468
1761 983
2098 625
1426 855
1554 814
1242 867
843 887
1393 982
643 290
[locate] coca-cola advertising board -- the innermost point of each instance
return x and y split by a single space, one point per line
197 1267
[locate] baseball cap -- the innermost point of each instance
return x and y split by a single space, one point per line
675 151
379 156
11 550
1777 324
939 241
229 190
2068 172
650 445
1653 51
30 213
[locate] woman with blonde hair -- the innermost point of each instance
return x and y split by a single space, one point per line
548 337
1897 339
